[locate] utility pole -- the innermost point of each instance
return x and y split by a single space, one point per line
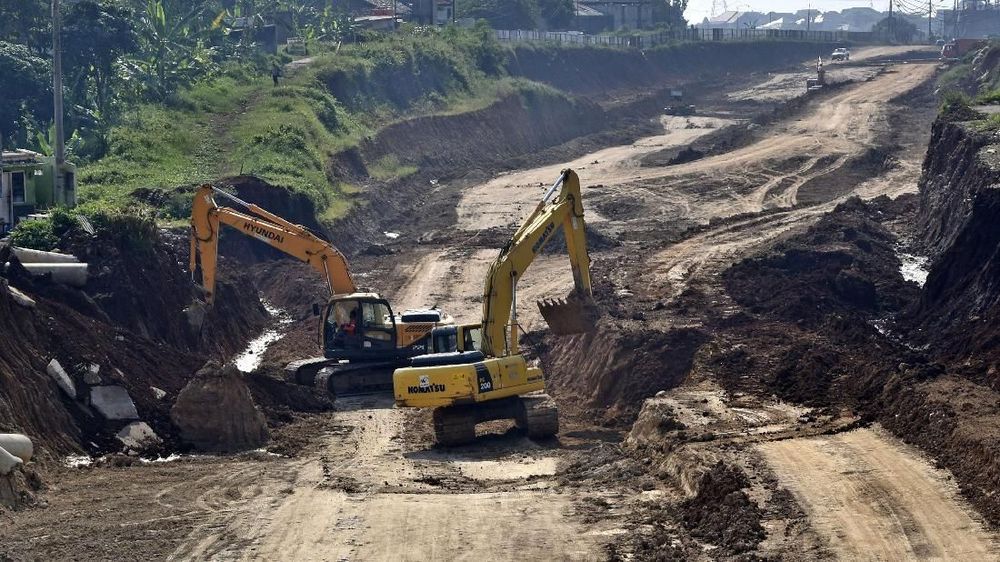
890 19
57 101
930 9
809 18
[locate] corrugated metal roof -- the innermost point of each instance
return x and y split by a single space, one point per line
21 156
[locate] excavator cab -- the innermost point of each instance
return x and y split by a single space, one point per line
359 327
460 338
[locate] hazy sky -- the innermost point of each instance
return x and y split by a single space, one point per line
699 9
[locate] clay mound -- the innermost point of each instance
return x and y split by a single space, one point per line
215 412
18 488
722 513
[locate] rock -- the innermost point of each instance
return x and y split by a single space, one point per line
8 462
58 374
215 412
195 315
158 393
20 298
138 437
92 374
661 394
113 402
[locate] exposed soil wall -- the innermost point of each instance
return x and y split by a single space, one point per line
608 373
125 328
488 138
599 71
954 171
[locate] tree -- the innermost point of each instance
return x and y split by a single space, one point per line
502 14
26 94
27 22
896 29
558 14
173 48
96 37
670 13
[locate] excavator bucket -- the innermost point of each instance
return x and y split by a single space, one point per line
574 314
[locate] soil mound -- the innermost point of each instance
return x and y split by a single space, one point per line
844 265
18 488
215 412
721 513
608 373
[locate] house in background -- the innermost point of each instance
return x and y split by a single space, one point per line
27 185
627 14
432 12
590 21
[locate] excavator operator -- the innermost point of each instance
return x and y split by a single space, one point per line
350 327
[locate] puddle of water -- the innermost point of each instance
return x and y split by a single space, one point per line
914 268
507 470
251 357
77 461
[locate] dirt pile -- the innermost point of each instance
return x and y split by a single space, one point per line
18 488
608 373
78 365
215 412
722 513
958 311
844 265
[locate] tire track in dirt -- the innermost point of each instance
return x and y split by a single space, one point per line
381 495
874 498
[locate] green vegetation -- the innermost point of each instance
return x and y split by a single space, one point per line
164 94
238 122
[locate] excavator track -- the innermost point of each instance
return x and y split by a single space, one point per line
454 426
343 379
539 416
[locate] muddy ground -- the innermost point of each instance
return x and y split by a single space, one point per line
741 398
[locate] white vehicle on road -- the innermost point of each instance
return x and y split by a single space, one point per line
841 54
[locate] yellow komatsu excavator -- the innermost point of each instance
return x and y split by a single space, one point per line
363 341
483 375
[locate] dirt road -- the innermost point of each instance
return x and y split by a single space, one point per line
873 498
378 491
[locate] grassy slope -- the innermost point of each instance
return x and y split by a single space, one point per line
286 135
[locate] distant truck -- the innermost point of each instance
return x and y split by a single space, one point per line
957 48
677 105
841 54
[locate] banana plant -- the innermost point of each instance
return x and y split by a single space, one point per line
171 51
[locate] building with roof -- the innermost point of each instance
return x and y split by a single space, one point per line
27 185
626 14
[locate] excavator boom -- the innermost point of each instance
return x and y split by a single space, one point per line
560 206
292 239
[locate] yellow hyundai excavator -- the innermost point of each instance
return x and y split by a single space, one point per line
486 377
363 341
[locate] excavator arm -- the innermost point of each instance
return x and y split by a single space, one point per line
292 239
560 207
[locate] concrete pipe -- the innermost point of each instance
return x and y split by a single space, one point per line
73 274
18 445
27 255
8 462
